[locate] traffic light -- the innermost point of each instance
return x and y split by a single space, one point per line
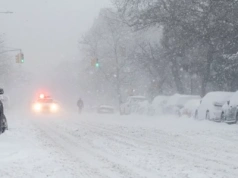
97 63
17 58
22 57
93 62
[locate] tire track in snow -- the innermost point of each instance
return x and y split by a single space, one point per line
176 152
181 174
82 168
114 165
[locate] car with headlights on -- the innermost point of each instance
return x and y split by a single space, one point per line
45 105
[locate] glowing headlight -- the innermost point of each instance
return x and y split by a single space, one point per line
54 107
37 107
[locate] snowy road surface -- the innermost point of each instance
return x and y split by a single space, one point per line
110 146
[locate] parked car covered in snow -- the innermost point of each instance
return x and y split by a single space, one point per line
190 108
105 109
157 105
143 107
176 102
230 110
132 104
211 105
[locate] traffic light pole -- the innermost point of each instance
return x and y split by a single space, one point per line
10 51
19 56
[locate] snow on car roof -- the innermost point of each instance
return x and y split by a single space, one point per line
160 98
139 97
218 96
214 97
217 93
106 106
181 99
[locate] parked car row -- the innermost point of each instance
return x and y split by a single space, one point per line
176 104
215 106
160 104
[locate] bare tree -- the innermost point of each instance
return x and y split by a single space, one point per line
210 23
110 41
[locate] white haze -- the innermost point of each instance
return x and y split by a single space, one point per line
48 32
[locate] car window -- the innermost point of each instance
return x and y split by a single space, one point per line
45 100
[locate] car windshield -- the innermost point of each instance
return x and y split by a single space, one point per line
102 88
218 106
47 100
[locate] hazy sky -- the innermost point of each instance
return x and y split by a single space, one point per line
47 30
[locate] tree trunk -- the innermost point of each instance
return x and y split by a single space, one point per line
119 87
118 76
176 76
207 72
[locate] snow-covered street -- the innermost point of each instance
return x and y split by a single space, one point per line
91 145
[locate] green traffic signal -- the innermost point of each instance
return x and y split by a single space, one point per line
97 64
22 57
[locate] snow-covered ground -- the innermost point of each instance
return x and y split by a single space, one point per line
111 146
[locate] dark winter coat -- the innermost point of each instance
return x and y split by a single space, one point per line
3 120
80 103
